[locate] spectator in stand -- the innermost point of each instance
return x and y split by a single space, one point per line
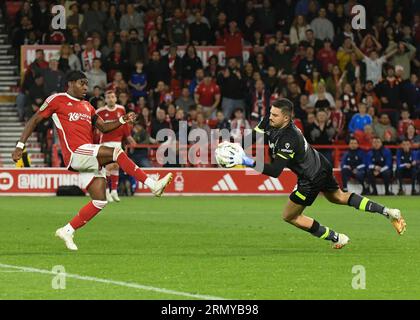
185 102
199 31
112 21
88 54
233 42
412 136
239 124
260 103
21 33
360 119
335 82
248 29
199 77
53 78
159 123
68 60
232 88
297 32
281 58
406 167
373 63
138 82
132 19
379 164
353 166
213 67
266 18
157 70
207 96
404 122
140 156
355 70
322 133
326 56
307 65
410 93
404 54
93 20
201 123
365 138
349 102
369 44
322 27
344 54
136 50
338 120
311 41
75 19
190 63
384 130
389 91
96 76
222 122
117 61
178 30
96 97
39 65
36 96
75 37
321 95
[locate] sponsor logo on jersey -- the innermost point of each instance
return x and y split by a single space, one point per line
76 116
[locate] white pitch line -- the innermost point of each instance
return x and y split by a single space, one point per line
117 283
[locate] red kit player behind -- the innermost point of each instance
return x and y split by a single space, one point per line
112 112
74 119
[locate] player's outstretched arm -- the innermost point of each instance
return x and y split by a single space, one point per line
27 131
105 127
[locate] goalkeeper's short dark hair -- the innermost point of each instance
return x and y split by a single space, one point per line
75 75
285 105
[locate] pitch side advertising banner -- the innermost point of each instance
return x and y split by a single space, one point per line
196 181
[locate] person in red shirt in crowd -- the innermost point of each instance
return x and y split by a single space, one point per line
112 112
39 65
327 55
75 120
233 42
338 119
404 122
207 96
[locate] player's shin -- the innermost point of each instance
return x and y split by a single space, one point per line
131 168
322 232
115 175
364 204
85 214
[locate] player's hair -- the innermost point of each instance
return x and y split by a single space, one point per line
285 105
75 75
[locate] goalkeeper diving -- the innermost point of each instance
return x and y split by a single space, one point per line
289 149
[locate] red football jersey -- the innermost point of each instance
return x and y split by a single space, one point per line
109 115
73 119
207 93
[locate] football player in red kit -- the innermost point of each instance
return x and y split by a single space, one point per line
74 119
112 112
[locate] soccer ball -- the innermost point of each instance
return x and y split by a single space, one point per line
228 154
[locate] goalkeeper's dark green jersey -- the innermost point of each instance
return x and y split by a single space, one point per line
289 144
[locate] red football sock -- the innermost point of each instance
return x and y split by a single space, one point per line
108 180
87 213
114 181
130 167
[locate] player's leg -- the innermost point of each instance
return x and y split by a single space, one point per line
96 190
114 176
293 214
413 177
364 204
108 155
400 176
108 185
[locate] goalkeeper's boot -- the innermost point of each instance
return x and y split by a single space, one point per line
397 220
67 238
161 184
108 196
114 195
342 241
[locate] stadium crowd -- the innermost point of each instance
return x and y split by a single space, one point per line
347 85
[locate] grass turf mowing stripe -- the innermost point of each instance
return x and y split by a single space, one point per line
113 282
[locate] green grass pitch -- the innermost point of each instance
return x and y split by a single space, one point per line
227 247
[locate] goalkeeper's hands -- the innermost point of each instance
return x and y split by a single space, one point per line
234 155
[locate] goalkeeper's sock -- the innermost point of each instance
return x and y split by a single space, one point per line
322 232
132 169
248 162
365 204
87 213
